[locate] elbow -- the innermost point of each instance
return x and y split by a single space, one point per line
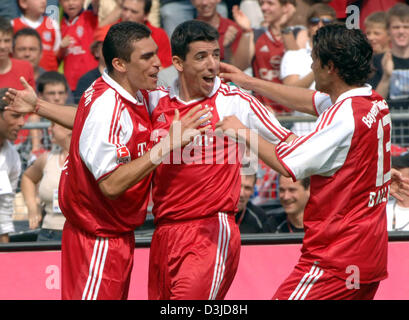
109 191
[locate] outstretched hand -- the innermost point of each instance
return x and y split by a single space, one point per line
21 101
399 185
231 73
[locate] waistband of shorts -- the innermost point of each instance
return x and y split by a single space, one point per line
165 222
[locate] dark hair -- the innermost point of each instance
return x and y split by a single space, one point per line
188 32
305 183
147 7
27 32
320 9
5 25
51 77
348 49
3 103
119 41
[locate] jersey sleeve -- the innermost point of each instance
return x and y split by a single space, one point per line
253 114
103 135
321 102
323 151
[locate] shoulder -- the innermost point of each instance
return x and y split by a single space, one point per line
11 153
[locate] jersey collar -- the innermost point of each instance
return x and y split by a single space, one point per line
364 91
122 92
174 90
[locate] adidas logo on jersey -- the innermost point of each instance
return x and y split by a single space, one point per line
161 118
141 127
264 48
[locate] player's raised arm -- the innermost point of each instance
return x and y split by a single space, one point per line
296 98
26 101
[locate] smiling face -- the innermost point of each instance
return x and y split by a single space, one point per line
72 7
199 69
206 8
399 32
378 37
272 11
293 196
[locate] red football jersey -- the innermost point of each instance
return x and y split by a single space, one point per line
348 159
268 54
79 59
111 128
204 178
49 32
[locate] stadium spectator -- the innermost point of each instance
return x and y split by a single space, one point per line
87 79
233 41
138 11
27 142
77 32
50 36
345 217
39 185
174 12
391 78
10 166
27 46
251 218
293 197
376 29
397 210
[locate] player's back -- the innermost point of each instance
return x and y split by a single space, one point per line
109 130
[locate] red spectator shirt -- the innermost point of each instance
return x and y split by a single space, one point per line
50 37
79 59
349 161
203 178
162 40
111 128
11 79
269 52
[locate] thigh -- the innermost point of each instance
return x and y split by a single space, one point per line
95 267
199 260
310 282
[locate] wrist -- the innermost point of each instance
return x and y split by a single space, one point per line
37 106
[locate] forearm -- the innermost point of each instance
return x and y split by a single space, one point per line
296 81
296 98
28 189
245 51
264 150
63 115
383 86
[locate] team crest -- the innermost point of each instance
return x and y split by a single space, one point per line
47 36
80 31
122 155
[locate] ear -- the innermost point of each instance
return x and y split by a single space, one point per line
119 65
331 67
178 63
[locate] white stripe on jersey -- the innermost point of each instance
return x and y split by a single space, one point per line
311 276
221 256
96 269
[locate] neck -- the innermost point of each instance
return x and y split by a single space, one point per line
338 88
184 92
124 83
214 20
400 52
296 219
32 17
275 30
403 203
5 65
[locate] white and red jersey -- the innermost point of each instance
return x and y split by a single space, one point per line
78 58
203 178
269 52
347 156
111 128
50 34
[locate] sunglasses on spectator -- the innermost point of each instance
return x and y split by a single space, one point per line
325 21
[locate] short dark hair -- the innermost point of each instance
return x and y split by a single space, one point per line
119 41
51 77
188 32
348 49
29 32
5 26
3 103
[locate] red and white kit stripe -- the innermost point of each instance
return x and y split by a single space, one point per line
306 283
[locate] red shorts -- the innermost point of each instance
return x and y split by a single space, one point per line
310 282
194 260
95 267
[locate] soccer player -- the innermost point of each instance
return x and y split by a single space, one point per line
344 252
196 243
105 183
